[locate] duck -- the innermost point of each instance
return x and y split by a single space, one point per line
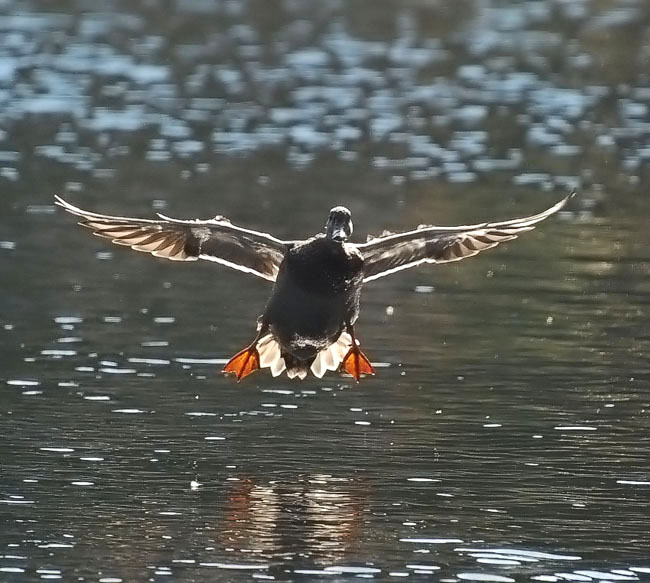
308 324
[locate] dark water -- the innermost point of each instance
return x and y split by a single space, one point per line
506 434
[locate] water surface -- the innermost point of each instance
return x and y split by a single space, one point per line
505 435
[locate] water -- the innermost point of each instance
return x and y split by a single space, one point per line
504 437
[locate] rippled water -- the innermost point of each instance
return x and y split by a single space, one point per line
505 435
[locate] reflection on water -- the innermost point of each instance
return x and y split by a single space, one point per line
275 519
504 437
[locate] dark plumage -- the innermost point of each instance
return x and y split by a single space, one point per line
308 323
316 295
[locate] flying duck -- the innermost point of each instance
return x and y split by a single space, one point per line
308 322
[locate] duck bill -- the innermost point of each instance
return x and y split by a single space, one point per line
340 230
339 233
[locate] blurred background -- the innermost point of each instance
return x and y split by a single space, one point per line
505 435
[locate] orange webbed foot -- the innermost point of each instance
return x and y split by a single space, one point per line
355 363
245 362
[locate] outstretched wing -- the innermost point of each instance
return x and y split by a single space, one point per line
179 240
386 255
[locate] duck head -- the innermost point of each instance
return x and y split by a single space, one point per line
339 224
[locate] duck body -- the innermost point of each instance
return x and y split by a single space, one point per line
314 300
308 323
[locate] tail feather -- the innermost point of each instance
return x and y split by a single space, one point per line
330 358
298 372
269 351
270 355
267 354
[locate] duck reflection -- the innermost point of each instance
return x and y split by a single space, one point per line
317 516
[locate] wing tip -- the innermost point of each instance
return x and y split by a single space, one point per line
568 197
558 205
79 212
65 205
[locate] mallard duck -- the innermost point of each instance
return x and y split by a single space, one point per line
308 322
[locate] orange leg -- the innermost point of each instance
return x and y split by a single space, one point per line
246 361
355 362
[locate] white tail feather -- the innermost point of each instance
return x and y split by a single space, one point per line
268 350
301 373
270 355
278 367
329 358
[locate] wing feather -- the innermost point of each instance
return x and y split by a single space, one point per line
215 240
430 244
